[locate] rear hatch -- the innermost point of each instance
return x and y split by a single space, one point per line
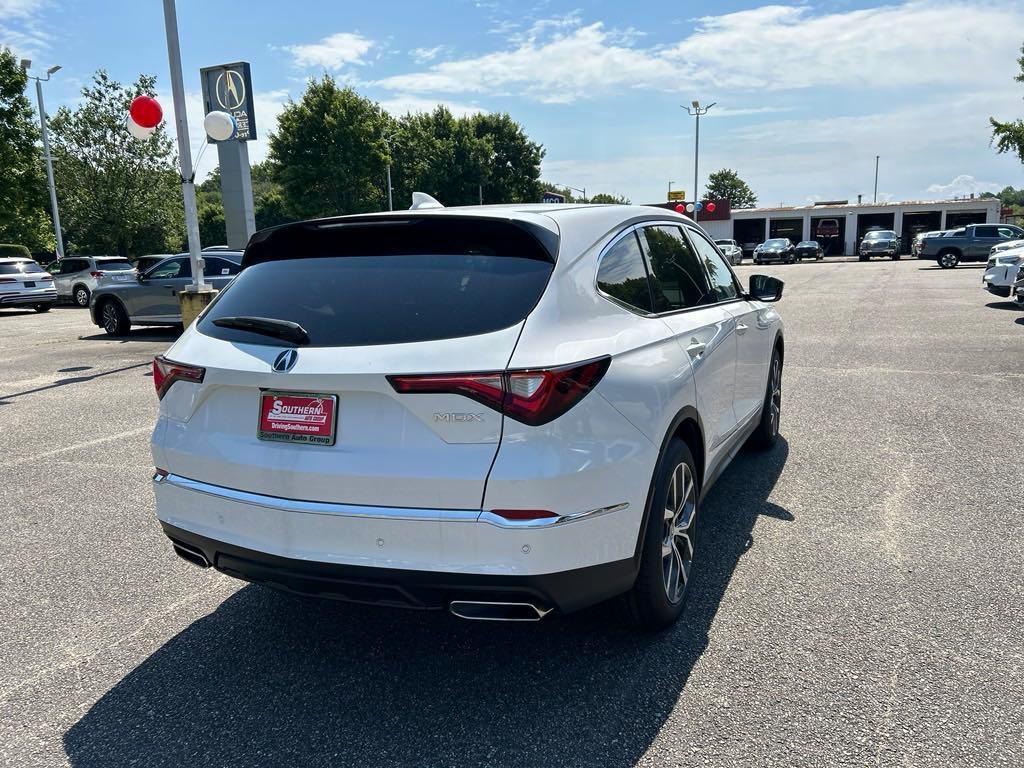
113 271
20 277
375 297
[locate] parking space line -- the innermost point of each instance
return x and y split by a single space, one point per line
75 447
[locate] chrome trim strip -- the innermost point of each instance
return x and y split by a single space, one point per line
320 507
547 522
373 512
489 603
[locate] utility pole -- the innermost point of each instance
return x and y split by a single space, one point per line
188 188
697 110
25 64
875 198
387 142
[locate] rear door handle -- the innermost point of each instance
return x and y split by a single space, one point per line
741 328
696 348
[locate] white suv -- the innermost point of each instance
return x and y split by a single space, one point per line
76 277
502 411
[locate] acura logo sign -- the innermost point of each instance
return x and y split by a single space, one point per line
286 360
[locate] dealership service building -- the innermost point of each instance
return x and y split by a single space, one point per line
750 226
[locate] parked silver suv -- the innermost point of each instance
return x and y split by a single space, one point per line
151 298
76 277
23 283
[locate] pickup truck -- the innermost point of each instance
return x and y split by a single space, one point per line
973 245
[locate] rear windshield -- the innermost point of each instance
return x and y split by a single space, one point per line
20 267
114 265
349 301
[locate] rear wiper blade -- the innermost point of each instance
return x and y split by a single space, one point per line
268 326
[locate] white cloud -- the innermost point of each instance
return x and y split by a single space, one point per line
404 103
332 52
21 28
423 55
12 9
963 186
931 43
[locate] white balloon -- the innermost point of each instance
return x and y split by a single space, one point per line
220 126
138 131
689 207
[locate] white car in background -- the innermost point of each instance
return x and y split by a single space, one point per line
731 250
1001 270
76 277
497 411
23 283
1005 246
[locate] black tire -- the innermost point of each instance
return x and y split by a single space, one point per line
41 308
114 319
863 258
671 522
80 295
948 259
767 432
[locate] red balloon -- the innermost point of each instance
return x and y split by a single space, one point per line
680 208
710 207
146 111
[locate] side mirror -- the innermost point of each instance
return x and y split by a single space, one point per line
765 288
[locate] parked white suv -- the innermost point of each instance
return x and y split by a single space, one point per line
1001 270
76 277
502 411
23 283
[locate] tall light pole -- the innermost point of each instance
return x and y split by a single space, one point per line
875 198
25 65
387 142
697 111
188 187
575 189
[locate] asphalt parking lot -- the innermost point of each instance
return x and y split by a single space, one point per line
858 601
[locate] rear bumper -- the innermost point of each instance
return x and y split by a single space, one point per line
425 590
28 299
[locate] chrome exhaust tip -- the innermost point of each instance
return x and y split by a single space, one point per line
480 610
191 554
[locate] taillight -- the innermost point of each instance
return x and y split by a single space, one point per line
166 372
96 273
533 396
524 514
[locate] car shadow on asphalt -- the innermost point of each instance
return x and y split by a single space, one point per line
139 334
269 679
1004 305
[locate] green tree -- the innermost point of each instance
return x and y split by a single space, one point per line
23 199
119 194
268 204
1009 136
727 185
604 197
328 152
563 191
513 165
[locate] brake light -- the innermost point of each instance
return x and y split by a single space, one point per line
524 514
533 396
166 372
96 273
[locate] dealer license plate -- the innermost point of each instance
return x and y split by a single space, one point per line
298 417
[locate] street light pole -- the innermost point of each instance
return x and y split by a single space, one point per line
188 187
696 110
875 198
25 64
387 143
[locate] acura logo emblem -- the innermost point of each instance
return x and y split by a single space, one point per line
286 360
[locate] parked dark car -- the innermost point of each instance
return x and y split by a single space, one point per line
827 228
777 249
809 249
880 242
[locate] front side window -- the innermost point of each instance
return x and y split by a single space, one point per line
723 286
622 274
677 278
169 270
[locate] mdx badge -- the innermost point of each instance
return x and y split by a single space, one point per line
454 417
286 360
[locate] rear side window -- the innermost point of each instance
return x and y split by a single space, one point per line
220 267
677 279
986 231
622 274
345 301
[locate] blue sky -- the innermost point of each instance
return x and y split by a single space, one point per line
807 94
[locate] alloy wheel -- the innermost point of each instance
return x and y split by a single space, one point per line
678 539
109 318
775 404
82 297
